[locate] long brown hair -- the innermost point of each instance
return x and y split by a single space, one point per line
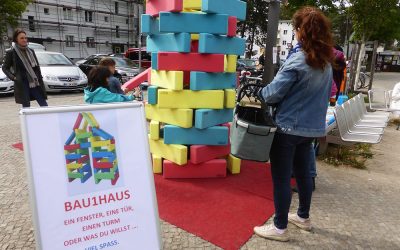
314 33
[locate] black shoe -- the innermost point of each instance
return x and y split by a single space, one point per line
294 189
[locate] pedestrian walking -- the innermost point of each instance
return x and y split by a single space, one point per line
21 66
98 88
300 91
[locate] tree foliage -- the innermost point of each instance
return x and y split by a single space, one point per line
375 19
10 11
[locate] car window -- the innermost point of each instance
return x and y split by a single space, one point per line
47 59
94 61
124 62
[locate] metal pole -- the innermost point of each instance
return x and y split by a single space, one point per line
269 55
140 39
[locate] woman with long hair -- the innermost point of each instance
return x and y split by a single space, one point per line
300 91
21 66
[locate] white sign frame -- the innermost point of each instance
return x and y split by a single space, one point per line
82 108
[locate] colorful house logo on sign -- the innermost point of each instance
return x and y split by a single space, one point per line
89 146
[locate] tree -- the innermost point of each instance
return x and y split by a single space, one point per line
10 11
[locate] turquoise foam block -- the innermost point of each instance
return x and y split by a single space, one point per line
179 42
154 61
193 23
205 118
152 94
192 136
235 8
210 81
150 25
213 44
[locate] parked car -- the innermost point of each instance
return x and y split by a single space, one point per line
79 62
133 54
6 85
59 73
125 67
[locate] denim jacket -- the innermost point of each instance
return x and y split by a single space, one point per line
301 95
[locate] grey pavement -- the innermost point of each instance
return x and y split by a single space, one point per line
352 208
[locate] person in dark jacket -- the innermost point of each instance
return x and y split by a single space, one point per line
22 67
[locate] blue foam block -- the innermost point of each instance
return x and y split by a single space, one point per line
154 61
70 138
213 44
73 156
205 118
210 81
104 154
193 23
193 136
150 25
152 94
235 8
171 42
102 133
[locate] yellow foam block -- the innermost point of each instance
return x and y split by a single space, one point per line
194 36
234 164
154 130
230 63
171 152
204 99
178 117
229 98
111 147
157 164
73 166
94 138
192 4
93 119
96 144
167 79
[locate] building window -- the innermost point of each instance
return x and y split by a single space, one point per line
106 19
283 42
117 32
127 21
31 23
285 32
283 53
68 13
46 11
90 42
69 41
116 7
89 16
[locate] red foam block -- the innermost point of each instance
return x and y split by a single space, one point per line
194 46
210 169
72 147
232 26
78 121
137 80
102 165
190 62
153 7
186 78
203 153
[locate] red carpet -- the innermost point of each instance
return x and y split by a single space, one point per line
221 211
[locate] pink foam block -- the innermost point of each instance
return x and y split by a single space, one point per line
203 153
153 7
137 80
78 121
116 176
232 26
190 62
210 169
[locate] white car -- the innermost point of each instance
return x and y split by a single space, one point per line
6 85
59 73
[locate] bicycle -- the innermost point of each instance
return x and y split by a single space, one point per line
255 82
363 80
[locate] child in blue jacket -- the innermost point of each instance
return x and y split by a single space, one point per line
98 90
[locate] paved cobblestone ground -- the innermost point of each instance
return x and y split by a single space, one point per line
352 209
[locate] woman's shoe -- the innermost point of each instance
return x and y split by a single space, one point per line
271 232
304 224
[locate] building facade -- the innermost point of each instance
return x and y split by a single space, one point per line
286 38
79 28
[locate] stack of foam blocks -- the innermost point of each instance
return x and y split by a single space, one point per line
86 135
193 77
